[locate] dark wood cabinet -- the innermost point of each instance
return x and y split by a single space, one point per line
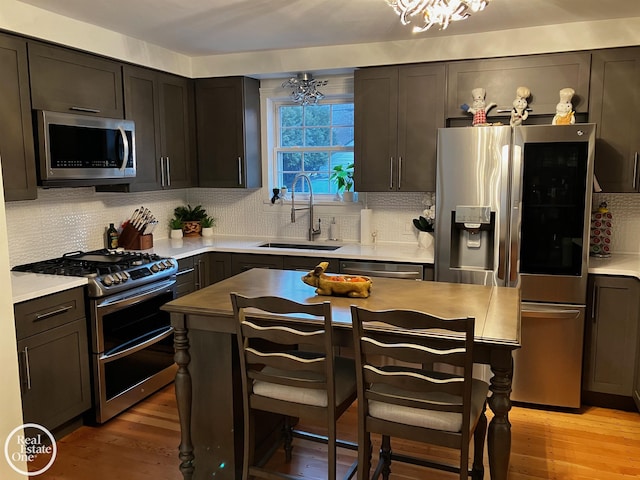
16 131
64 80
305 264
53 356
241 262
219 266
161 106
193 274
544 75
612 335
228 126
398 111
614 98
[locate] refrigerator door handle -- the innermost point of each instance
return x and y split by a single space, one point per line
504 212
515 213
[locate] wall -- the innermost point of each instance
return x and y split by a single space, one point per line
70 219
625 209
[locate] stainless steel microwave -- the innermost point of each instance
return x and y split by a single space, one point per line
81 150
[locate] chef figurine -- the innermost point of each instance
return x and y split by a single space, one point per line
564 109
479 108
519 112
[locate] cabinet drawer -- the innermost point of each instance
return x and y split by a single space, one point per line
35 316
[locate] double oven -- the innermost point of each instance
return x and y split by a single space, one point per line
131 338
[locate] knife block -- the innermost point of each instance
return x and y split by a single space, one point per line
132 239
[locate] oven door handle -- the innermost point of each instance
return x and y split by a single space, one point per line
132 297
118 353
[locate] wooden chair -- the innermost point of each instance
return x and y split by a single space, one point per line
279 376
399 395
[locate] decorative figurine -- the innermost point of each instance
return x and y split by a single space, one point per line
479 108
519 113
564 109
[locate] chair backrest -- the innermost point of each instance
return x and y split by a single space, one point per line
415 341
268 336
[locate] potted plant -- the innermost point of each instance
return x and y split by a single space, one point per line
175 224
425 228
207 226
191 219
343 178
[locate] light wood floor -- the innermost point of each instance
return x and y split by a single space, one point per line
141 444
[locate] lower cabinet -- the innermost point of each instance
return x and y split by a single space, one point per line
611 357
193 274
241 262
53 356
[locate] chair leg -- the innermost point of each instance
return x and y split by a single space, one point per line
385 455
249 444
365 450
479 436
287 433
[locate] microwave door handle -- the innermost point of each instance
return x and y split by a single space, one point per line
125 143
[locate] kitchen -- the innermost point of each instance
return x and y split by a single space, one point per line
41 228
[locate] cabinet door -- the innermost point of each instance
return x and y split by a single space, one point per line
612 334
614 95
421 103
16 132
55 375
306 264
185 277
228 126
375 129
175 128
241 262
545 75
64 80
201 264
141 100
219 266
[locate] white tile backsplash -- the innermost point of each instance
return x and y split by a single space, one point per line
63 220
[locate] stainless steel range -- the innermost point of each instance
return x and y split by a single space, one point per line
131 338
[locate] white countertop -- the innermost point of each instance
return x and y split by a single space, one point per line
625 264
27 286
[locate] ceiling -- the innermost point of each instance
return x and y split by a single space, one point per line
209 27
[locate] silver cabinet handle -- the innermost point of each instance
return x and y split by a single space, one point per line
185 271
162 179
27 368
53 313
125 143
239 170
84 109
199 275
390 173
168 171
635 170
399 173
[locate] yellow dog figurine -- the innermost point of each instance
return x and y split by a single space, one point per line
343 285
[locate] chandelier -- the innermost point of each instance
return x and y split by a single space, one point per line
436 12
305 88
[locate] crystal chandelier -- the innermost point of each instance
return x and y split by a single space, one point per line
436 12
305 88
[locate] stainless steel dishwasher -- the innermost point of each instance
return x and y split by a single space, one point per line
382 269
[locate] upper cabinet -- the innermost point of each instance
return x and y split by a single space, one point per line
228 131
544 75
64 80
16 132
614 99
161 105
398 111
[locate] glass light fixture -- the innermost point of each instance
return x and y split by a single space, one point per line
305 88
435 12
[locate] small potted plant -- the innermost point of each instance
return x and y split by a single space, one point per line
175 224
424 224
207 226
191 219
343 178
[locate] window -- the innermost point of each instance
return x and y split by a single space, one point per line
312 140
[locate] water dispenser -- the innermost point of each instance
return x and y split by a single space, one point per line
472 237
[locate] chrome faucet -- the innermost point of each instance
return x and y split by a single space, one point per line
312 231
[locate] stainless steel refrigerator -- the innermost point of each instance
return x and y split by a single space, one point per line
513 209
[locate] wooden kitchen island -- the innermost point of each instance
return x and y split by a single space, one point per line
208 387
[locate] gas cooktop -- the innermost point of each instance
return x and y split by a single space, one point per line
108 271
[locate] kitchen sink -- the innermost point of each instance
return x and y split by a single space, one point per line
302 246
